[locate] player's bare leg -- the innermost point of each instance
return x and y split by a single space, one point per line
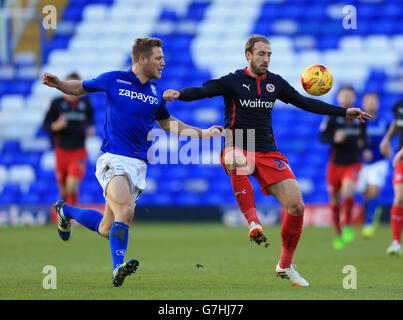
335 198
119 200
396 221
62 191
71 190
287 192
373 217
105 226
348 188
237 164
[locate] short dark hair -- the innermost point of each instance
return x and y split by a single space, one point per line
253 39
144 47
73 76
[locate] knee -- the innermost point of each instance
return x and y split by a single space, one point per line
235 159
296 209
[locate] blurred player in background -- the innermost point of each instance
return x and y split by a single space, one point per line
69 120
347 138
133 104
396 214
375 166
249 96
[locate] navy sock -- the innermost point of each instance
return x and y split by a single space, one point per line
118 238
86 217
370 208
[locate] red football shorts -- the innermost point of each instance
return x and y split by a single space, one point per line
398 173
336 174
268 167
70 163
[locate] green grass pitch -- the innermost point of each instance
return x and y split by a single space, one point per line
230 266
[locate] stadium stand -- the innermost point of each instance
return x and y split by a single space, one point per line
202 39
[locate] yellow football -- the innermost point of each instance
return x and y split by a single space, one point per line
317 80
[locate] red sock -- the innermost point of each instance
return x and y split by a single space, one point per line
71 199
348 208
244 196
396 222
290 233
336 217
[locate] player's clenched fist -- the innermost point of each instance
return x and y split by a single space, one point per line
50 80
171 95
215 131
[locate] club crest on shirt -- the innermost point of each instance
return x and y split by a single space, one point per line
270 87
153 89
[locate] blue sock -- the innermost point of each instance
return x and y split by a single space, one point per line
370 208
118 238
86 217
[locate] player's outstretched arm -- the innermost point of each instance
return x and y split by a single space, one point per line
385 146
189 93
398 157
320 107
175 126
72 87
211 88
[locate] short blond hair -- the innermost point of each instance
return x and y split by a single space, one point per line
144 47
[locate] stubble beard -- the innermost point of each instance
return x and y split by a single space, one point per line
256 70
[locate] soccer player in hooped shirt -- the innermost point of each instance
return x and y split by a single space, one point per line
396 213
348 139
375 166
249 96
133 104
70 119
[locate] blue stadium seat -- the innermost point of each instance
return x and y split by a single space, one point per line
196 10
168 14
73 12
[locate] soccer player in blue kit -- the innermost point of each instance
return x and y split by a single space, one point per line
375 165
133 104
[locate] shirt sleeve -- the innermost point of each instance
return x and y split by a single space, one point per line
100 83
162 112
209 89
289 95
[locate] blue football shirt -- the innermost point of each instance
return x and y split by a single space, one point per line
131 109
